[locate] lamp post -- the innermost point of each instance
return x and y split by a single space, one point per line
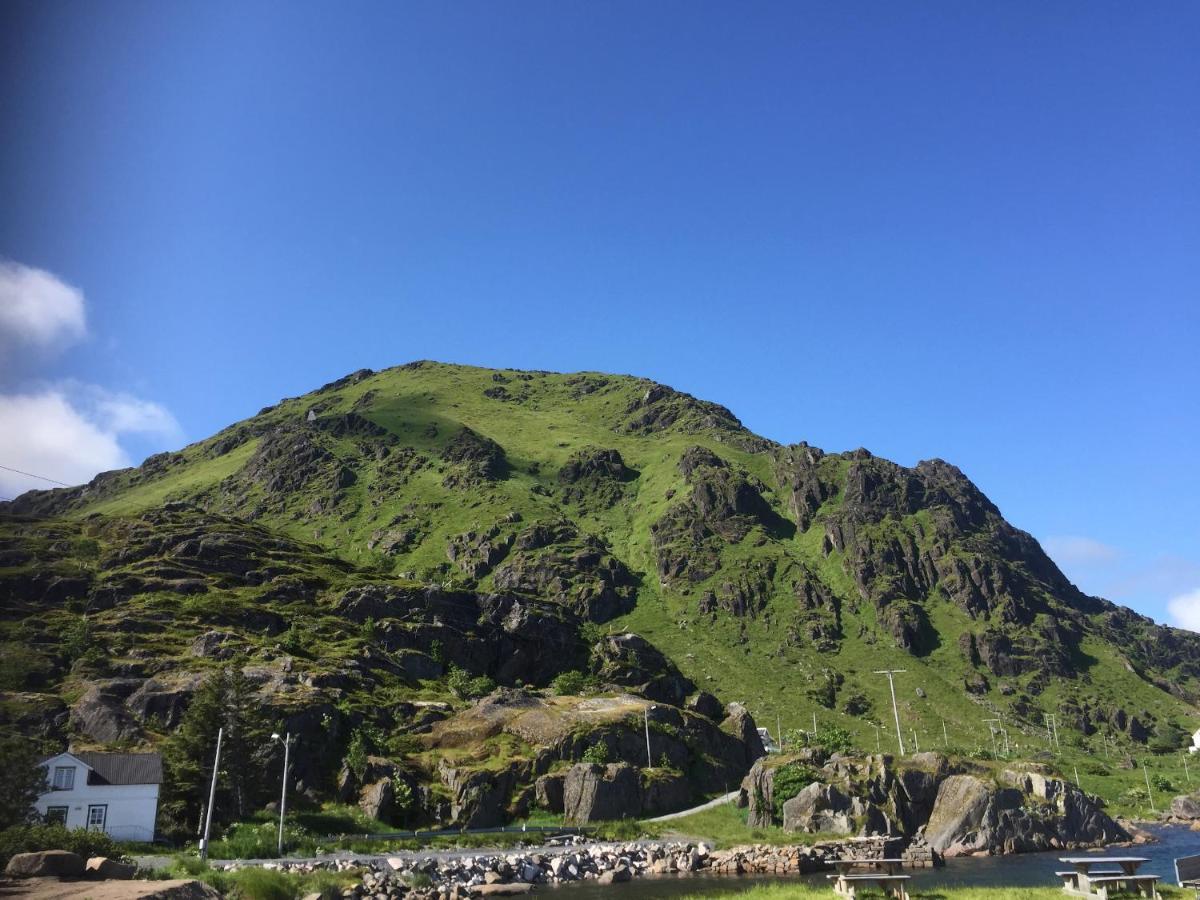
649 761
287 746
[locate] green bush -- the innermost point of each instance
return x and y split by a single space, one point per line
569 683
466 687
31 838
834 739
788 782
597 754
1161 783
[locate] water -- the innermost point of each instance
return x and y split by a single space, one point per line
1019 870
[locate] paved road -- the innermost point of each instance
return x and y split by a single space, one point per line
711 804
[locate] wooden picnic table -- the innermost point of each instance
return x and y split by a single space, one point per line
883 873
1092 876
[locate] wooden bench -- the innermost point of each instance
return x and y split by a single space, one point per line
1187 873
1143 884
846 885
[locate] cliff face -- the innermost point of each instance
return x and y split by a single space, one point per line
400 533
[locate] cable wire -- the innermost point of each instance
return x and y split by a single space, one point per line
31 475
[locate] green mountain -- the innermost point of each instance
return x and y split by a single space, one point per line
375 551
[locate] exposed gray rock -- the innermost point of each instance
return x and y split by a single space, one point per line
594 793
43 863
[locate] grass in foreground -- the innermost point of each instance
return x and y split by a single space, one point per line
725 826
812 892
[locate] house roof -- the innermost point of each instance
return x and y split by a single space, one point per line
122 768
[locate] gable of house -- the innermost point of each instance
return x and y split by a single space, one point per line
112 792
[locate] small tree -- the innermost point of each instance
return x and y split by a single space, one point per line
225 700
22 780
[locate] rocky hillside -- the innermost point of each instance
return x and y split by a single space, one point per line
379 551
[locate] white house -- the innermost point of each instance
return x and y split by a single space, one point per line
112 792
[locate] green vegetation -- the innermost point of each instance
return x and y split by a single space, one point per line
224 701
264 884
812 891
22 780
781 577
725 826
31 838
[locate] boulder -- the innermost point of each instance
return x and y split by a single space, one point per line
103 867
664 792
1185 808
958 812
819 807
548 792
739 723
594 793
43 863
101 715
705 704
377 799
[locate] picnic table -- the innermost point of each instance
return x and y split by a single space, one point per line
1094 876
882 873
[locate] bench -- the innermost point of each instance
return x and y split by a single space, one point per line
1187 872
846 885
1144 884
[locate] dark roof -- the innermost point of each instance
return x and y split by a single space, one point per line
122 768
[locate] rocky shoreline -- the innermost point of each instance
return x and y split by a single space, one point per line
517 872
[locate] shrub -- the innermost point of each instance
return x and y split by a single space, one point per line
31 838
597 754
834 739
789 781
466 687
1161 783
569 683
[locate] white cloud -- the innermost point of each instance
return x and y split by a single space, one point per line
37 309
1073 550
71 432
1184 610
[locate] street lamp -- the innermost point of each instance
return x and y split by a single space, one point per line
649 761
287 746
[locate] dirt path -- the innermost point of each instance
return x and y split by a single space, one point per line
81 888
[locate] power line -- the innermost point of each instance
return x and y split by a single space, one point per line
31 475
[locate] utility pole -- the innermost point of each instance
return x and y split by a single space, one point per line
916 743
1077 784
992 729
779 731
877 745
649 761
891 673
945 737
1186 773
814 732
287 746
1052 731
212 793
1149 792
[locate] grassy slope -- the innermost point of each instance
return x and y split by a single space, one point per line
538 435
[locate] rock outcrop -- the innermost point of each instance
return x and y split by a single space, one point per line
953 813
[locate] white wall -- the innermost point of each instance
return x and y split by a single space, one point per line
132 808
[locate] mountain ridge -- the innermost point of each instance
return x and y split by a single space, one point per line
592 504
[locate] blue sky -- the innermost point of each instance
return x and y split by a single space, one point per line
948 229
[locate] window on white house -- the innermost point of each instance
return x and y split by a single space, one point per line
56 815
96 817
64 778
